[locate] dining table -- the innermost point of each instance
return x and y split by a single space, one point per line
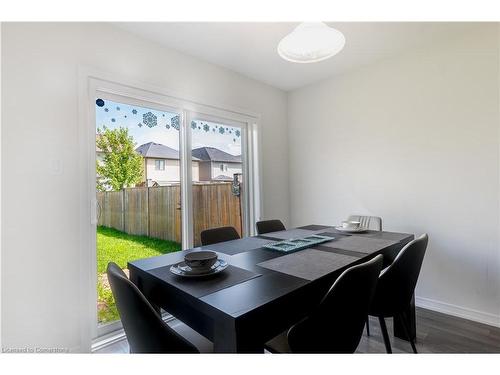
262 292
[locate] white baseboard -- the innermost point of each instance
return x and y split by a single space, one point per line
459 311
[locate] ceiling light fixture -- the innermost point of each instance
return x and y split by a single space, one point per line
311 42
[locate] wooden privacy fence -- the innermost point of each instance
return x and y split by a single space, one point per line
156 211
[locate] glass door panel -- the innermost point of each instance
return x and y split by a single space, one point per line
138 189
217 176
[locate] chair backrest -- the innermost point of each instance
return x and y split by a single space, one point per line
145 330
370 222
397 282
268 226
336 325
216 235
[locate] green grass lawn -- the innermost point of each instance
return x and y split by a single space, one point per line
119 247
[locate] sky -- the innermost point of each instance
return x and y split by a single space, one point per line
114 115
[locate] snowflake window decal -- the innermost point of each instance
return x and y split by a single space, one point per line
134 111
193 125
237 132
106 110
139 125
113 120
99 102
149 119
206 127
221 130
175 122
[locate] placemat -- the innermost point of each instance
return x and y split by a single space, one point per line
369 233
238 246
364 245
384 235
308 264
315 227
199 287
340 251
332 232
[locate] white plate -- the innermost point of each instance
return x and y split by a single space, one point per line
181 269
348 230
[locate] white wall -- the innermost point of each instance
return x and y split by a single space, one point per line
414 139
41 228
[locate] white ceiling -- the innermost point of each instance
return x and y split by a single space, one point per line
250 48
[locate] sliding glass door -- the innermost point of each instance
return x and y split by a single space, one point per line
218 174
138 189
162 170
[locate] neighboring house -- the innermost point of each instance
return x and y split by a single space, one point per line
162 164
217 165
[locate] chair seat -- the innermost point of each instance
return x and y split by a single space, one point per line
202 344
279 344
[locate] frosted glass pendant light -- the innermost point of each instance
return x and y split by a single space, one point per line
311 42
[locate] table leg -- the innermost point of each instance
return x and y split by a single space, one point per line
228 338
399 331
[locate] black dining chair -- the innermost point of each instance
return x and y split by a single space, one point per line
268 226
396 286
145 329
216 235
336 324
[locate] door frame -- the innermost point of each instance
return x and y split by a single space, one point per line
90 82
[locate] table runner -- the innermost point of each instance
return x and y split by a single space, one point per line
308 264
291 233
237 246
199 287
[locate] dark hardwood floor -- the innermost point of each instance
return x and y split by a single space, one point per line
436 333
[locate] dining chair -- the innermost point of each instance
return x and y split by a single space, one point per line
395 288
268 226
336 324
369 222
145 329
216 235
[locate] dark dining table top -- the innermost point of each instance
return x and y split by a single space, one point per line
261 287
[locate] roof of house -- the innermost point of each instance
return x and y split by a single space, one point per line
157 150
214 154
